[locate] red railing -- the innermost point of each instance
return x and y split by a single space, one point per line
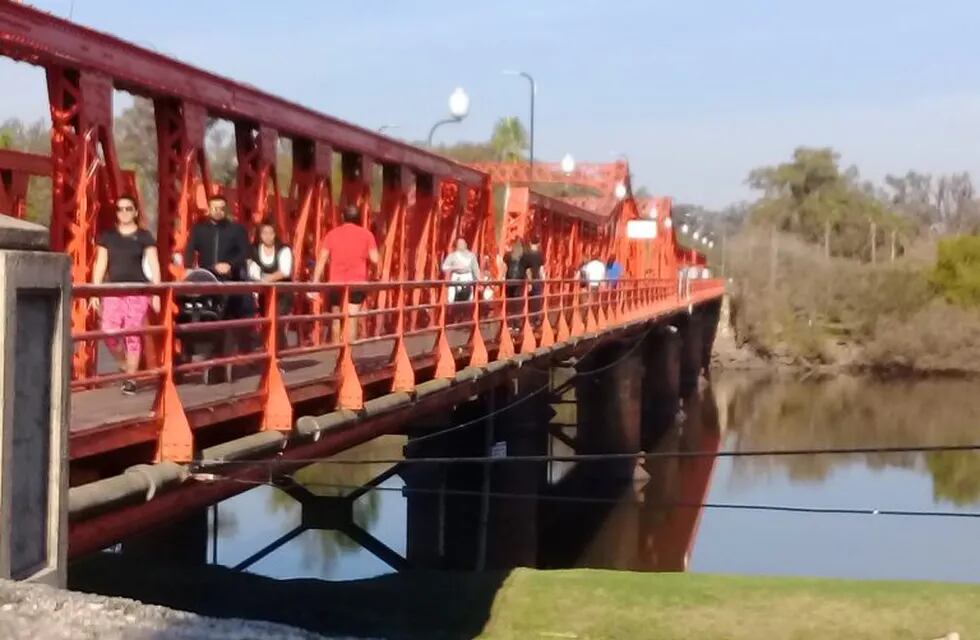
416 319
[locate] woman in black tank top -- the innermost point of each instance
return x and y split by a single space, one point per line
272 261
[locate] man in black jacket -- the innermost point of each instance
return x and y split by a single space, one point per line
221 246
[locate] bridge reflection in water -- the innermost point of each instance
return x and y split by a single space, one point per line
353 521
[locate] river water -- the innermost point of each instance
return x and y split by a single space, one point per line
556 515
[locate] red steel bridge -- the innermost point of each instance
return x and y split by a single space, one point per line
310 397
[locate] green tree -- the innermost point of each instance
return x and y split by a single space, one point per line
509 140
810 197
468 152
957 270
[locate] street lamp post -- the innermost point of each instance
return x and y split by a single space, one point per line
459 107
567 166
534 90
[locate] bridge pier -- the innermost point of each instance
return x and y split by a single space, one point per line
692 351
456 519
661 384
608 389
711 318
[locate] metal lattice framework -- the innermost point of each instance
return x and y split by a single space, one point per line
16 170
575 228
425 199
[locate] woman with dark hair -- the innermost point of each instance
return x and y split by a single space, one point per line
120 255
272 261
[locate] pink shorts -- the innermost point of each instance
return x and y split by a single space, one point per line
125 312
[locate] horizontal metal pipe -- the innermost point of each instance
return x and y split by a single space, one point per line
245 447
310 425
385 403
431 386
137 484
469 373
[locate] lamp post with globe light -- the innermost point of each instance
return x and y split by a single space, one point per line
534 90
567 165
459 108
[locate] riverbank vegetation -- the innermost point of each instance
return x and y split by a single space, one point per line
828 270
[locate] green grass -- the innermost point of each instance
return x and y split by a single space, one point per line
585 604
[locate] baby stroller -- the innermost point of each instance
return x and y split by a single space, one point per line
202 307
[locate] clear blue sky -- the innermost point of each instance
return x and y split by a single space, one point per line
694 93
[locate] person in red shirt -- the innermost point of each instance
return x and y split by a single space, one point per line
348 249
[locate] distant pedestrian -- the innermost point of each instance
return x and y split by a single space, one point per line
271 262
348 249
121 253
515 271
614 271
461 266
534 272
593 273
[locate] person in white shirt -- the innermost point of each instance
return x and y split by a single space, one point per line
272 261
594 273
461 266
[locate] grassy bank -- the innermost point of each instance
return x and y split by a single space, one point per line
793 305
606 604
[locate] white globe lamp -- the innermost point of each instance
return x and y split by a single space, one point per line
620 191
567 163
459 103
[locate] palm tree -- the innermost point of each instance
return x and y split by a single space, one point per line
509 140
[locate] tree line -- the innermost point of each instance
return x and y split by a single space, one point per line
812 197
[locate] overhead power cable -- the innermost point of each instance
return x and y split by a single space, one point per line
780 508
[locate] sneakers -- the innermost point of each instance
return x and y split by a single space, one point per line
129 388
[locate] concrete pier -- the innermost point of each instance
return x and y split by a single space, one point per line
34 395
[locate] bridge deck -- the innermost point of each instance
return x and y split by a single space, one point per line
104 419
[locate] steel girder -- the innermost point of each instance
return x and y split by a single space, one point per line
16 170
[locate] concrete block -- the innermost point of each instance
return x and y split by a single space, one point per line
34 407
22 235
